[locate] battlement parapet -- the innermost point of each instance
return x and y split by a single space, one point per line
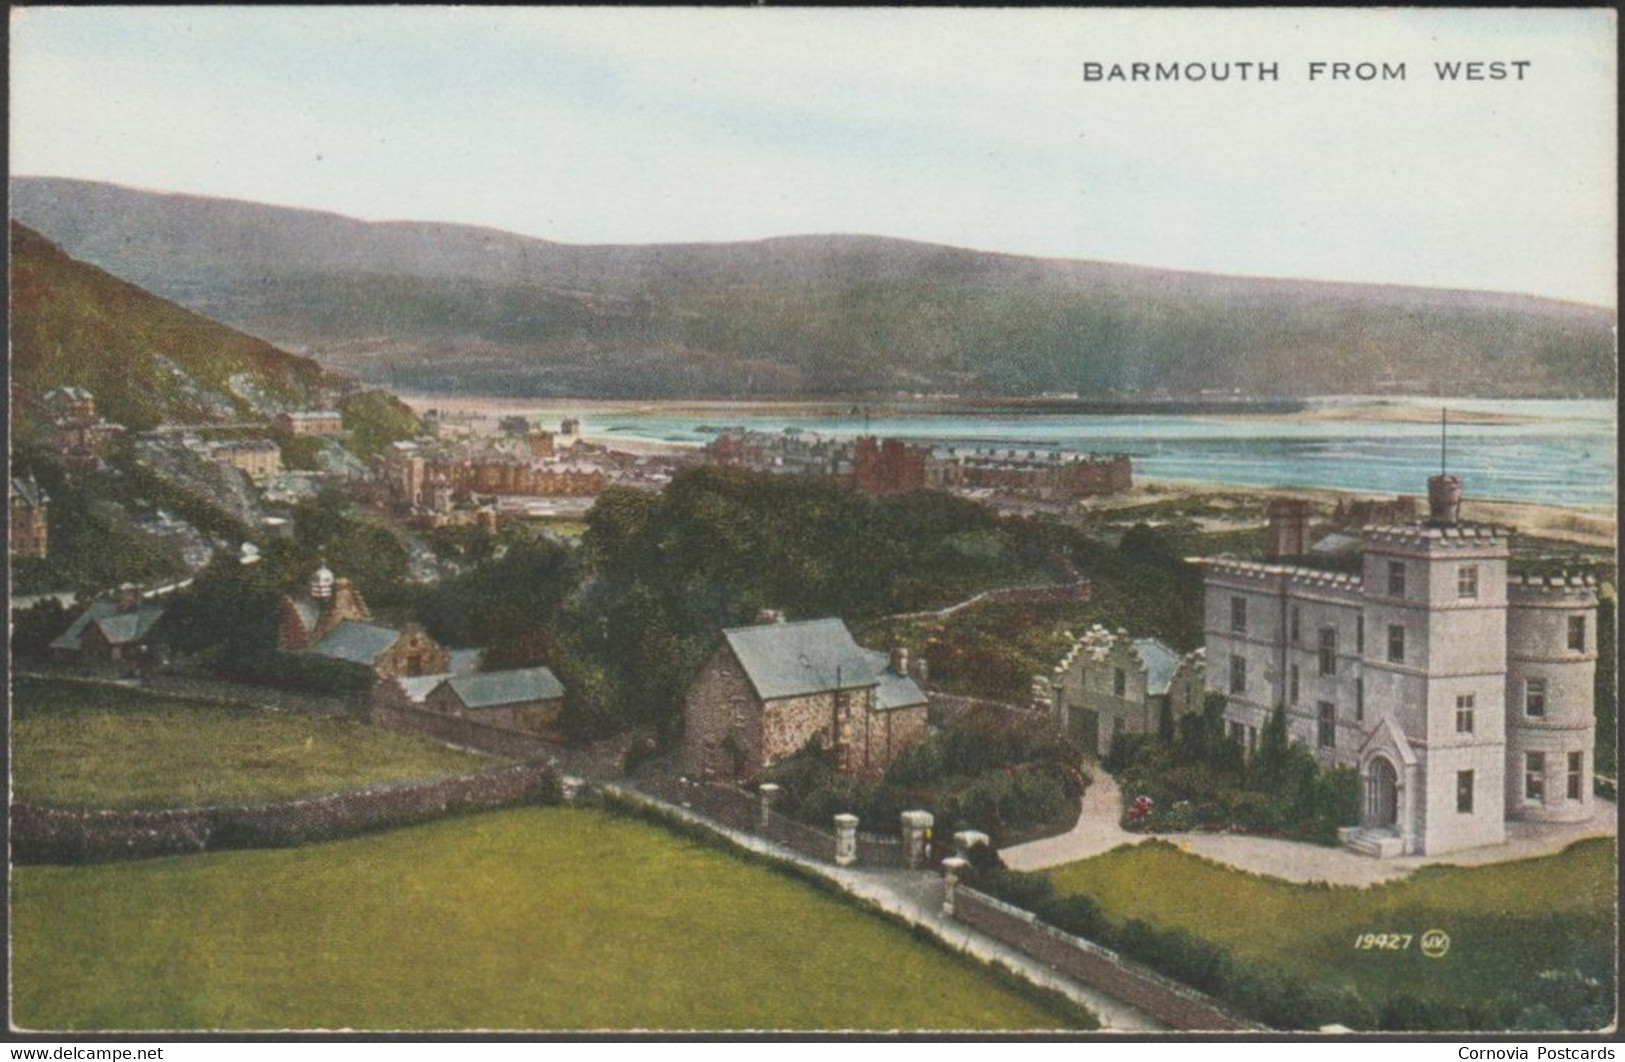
1432 537
1581 589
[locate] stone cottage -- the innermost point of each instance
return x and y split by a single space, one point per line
117 630
529 700
769 689
1110 684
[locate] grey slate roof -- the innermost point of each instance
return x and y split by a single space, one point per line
28 492
465 661
795 659
124 628
119 628
307 608
816 656
418 687
494 689
357 642
1160 664
69 639
895 691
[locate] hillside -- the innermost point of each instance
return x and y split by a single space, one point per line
146 359
459 308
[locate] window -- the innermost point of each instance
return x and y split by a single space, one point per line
1293 625
1396 579
1236 730
1577 633
1396 644
1238 675
1359 699
1465 703
1467 580
1252 740
1577 775
1238 614
1534 697
1534 776
1464 792
1327 724
1328 650
1119 682
1292 680
1359 635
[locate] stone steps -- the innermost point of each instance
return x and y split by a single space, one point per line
1378 844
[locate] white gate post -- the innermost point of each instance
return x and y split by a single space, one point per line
769 792
952 868
916 830
846 840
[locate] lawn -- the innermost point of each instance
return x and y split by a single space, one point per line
77 745
1506 922
532 918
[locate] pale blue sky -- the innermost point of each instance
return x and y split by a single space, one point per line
963 127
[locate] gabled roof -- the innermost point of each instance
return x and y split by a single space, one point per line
307 609
25 490
796 659
124 628
69 639
357 642
493 689
1160 663
465 661
418 687
894 690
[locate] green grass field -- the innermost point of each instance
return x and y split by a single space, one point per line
538 918
1506 922
77 745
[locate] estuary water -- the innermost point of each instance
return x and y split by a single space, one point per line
1552 452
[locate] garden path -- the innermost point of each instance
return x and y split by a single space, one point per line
1097 831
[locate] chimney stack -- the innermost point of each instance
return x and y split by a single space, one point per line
1444 500
769 615
899 661
127 597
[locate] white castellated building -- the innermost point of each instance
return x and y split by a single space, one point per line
1462 696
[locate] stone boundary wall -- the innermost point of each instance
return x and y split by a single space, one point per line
198 688
1041 594
51 835
1175 1005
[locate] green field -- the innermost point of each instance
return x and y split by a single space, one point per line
541 918
76 745
1506 922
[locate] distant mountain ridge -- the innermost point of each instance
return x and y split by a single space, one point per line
442 307
147 360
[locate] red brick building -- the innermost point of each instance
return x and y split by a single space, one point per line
889 467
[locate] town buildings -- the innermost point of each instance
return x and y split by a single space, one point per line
260 459
29 527
79 435
332 620
323 423
1463 696
1111 684
770 689
891 466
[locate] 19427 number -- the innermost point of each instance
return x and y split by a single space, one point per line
1383 941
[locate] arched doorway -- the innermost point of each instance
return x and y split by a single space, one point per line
1381 794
